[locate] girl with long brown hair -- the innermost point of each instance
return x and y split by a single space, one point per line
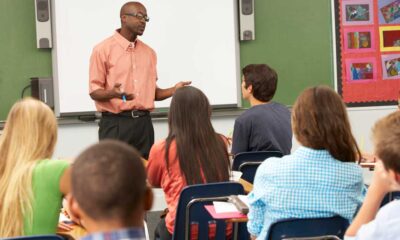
193 152
319 179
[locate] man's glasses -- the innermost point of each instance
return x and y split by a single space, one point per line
139 16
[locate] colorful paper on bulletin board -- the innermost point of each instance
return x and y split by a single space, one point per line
369 51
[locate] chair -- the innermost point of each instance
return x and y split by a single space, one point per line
191 213
390 197
248 162
37 237
319 228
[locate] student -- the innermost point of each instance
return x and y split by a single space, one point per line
321 178
372 222
109 191
31 185
266 125
193 153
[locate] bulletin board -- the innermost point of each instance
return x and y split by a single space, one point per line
368 51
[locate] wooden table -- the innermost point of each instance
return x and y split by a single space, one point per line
248 187
76 233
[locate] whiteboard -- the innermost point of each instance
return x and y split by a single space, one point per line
194 40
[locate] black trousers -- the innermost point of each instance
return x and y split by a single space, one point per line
137 132
161 232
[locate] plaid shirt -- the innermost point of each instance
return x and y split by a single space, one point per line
122 234
306 184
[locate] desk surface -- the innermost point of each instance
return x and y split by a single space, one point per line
246 185
76 233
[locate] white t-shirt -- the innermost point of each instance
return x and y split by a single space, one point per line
386 225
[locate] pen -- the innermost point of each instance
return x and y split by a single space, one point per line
123 98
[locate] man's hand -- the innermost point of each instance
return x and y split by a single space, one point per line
117 93
182 84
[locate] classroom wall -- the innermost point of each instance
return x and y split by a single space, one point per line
294 37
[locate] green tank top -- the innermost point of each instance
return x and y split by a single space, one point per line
47 197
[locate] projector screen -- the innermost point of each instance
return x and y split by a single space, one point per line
194 40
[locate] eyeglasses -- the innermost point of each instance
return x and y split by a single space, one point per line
139 16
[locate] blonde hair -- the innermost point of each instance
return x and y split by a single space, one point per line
29 135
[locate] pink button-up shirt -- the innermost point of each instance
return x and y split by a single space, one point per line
132 64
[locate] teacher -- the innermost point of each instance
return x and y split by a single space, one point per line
122 82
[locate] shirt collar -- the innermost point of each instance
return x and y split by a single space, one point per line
123 42
127 233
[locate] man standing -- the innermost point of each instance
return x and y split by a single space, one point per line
123 82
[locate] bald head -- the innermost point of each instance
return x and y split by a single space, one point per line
131 7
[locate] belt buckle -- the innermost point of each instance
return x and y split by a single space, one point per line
135 114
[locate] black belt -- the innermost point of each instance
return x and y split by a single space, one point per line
132 114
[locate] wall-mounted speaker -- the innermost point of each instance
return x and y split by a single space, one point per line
43 24
246 18
42 89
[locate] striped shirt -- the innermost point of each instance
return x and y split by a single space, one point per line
306 184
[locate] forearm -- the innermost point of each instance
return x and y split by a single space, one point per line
368 210
103 95
162 94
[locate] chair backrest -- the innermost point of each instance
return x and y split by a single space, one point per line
390 197
312 227
191 213
38 237
248 162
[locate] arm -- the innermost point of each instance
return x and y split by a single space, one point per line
155 166
380 186
103 95
97 80
162 94
65 182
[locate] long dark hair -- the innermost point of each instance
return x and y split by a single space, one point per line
201 151
320 121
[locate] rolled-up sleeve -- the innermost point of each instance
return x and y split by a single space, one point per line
97 71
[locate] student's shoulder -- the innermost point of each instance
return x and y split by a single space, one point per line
389 211
274 165
50 164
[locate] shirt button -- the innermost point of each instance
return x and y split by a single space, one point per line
135 80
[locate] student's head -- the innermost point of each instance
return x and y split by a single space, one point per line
29 135
133 17
386 134
320 121
259 81
109 185
198 146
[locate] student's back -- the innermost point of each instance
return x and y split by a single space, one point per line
192 153
321 178
266 125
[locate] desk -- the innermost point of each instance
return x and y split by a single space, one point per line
248 187
235 218
76 233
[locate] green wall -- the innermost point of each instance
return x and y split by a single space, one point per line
19 57
292 36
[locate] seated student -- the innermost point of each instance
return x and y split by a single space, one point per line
193 153
383 224
31 185
321 178
266 125
109 191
